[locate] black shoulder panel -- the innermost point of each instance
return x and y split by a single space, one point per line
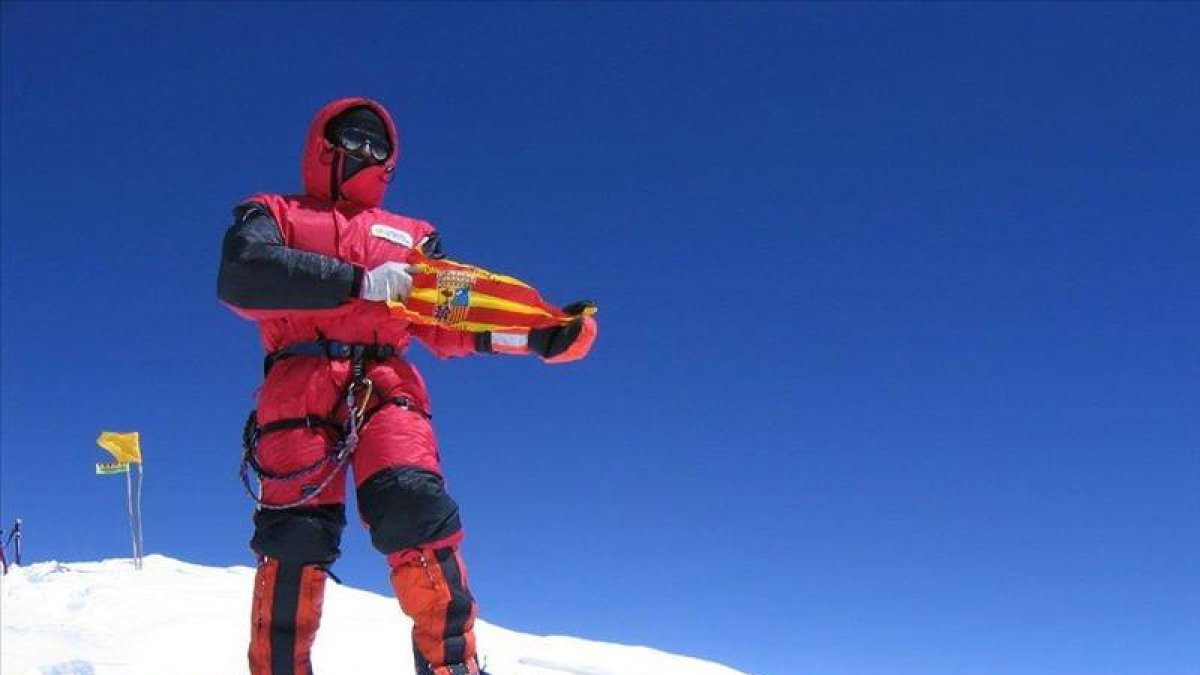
259 272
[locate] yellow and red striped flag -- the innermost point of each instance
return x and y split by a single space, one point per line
470 298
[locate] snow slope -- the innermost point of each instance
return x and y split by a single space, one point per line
175 618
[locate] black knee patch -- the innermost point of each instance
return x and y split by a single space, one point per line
405 508
301 535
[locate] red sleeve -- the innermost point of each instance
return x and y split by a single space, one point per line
444 342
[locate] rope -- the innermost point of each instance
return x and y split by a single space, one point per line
340 453
342 449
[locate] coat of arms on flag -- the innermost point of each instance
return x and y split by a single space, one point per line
454 296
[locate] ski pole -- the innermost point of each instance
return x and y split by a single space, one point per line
16 532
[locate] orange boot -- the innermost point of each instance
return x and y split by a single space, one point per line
286 615
431 585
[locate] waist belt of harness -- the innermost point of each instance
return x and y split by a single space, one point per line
331 349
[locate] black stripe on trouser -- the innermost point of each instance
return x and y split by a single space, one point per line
459 609
284 607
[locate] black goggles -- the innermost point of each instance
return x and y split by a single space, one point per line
364 144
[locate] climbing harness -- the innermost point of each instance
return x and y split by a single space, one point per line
355 400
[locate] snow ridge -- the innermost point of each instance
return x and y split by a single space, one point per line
177 618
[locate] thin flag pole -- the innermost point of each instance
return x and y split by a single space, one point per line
141 546
137 563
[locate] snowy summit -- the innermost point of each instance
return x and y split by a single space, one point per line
176 618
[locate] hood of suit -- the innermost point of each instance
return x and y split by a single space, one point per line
320 166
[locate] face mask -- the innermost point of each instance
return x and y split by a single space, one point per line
360 137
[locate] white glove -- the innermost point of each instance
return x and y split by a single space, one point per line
389 281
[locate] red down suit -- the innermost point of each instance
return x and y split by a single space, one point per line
295 264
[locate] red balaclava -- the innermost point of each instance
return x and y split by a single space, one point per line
332 174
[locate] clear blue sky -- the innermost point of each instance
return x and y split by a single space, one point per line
898 363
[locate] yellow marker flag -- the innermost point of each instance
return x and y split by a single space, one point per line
125 448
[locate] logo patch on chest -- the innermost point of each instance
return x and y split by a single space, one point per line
392 234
